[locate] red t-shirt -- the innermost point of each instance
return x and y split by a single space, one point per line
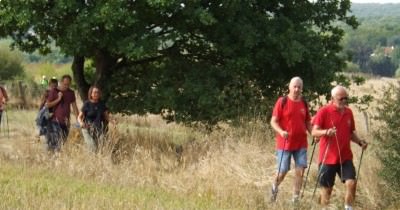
292 118
63 109
339 147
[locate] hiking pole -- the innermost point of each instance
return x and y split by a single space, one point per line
320 168
314 143
359 166
8 127
279 168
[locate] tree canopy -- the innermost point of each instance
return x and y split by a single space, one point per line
10 64
200 60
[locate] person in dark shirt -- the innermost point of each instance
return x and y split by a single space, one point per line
61 100
93 118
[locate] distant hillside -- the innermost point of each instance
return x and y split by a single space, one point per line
375 10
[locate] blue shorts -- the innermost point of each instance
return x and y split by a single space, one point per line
299 156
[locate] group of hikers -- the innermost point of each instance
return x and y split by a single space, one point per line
55 109
333 127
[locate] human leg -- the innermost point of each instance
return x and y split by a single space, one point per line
327 181
283 166
349 174
326 193
64 131
300 159
53 136
88 138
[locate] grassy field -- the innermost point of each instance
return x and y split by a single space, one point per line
148 164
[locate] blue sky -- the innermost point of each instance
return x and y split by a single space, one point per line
376 1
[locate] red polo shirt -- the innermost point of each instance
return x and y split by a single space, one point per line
292 118
63 109
339 146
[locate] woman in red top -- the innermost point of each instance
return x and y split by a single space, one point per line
334 124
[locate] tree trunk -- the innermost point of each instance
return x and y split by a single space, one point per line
105 65
79 77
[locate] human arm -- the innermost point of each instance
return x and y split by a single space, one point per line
53 99
309 127
80 119
354 138
318 132
75 109
275 125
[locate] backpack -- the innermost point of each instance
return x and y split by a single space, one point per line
42 120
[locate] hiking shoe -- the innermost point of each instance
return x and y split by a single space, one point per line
295 199
274 193
348 208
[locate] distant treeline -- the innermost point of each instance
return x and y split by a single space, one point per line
374 47
375 10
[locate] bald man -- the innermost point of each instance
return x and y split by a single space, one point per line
291 121
334 124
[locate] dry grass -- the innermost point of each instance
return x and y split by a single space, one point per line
148 164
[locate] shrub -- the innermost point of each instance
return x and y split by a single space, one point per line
10 64
388 136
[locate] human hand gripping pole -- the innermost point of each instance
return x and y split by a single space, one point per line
363 144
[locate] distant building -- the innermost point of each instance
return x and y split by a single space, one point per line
387 51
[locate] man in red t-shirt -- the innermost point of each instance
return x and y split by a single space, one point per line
291 121
60 100
334 124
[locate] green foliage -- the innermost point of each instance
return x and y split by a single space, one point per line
368 45
47 70
10 64
388 136
397 73
201 61
54 57
382 65
352 67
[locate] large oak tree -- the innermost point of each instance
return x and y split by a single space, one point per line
197 60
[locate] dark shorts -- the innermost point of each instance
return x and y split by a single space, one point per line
328 172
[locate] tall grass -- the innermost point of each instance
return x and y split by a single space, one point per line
149 164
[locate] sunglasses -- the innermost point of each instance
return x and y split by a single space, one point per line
343 98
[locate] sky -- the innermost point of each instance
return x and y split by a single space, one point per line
375 1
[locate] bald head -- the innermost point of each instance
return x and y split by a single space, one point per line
296 80
339 96
338 90
295 88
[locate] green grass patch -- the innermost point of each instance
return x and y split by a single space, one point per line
26 187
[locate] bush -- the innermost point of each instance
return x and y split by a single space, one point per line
388 136
10 64
382 66
397 74
352 67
